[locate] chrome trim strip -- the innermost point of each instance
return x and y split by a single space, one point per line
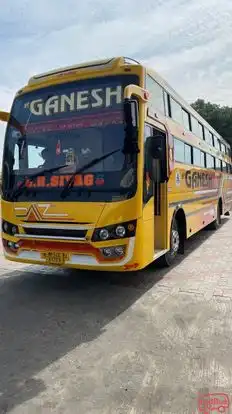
34 236
56 226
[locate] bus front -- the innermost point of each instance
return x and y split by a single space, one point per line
70 193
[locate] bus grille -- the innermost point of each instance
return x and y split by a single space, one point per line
55 232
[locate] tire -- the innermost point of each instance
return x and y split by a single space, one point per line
216 223
175 245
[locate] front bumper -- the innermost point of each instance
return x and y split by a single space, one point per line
81 255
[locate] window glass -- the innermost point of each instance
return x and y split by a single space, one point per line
186 119
209 161
201 131
209 137
34 156
179 150
16 158
176 111
167 104
223 148
188 154
156 91
218 164
197 157
224 166
218 144
195 126
202 159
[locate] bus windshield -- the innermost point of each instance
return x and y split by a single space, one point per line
55 131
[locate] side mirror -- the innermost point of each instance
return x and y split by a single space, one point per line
131 126
155 155
4 116
155 147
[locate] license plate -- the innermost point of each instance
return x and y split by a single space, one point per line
55 258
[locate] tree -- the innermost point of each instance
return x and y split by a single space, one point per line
219 117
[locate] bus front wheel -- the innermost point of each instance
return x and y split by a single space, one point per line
175 245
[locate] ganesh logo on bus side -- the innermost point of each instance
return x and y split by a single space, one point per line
76 101
195 179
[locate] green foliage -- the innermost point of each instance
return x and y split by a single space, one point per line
219 117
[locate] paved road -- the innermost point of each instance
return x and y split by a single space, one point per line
73 342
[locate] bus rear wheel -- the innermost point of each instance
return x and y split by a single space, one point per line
175 245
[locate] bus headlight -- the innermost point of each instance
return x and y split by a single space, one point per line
115 231
120 231
9 228
104 234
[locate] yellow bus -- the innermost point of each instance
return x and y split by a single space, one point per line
106 167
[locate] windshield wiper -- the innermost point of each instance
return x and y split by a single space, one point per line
17 191
68 186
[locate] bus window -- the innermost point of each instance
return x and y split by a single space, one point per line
218 165
201 131
209 137
157 96
179 150
187 154
202 159
224 166
186 120
223 148
209 161
195 126
197 157
176 111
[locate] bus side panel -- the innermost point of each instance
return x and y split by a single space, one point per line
195 191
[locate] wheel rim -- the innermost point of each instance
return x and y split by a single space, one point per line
175 242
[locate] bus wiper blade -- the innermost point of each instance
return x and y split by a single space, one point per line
17 191
68 186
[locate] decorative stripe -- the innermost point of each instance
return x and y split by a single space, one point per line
192 200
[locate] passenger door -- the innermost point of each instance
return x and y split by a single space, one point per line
155 190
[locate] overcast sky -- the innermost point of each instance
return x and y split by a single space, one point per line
188 41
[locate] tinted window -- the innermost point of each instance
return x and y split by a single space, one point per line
186 119
176 111
209 161
179 150
157 97
70 124
195 126
197 157
218 164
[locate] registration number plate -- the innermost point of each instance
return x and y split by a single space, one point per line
55 258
